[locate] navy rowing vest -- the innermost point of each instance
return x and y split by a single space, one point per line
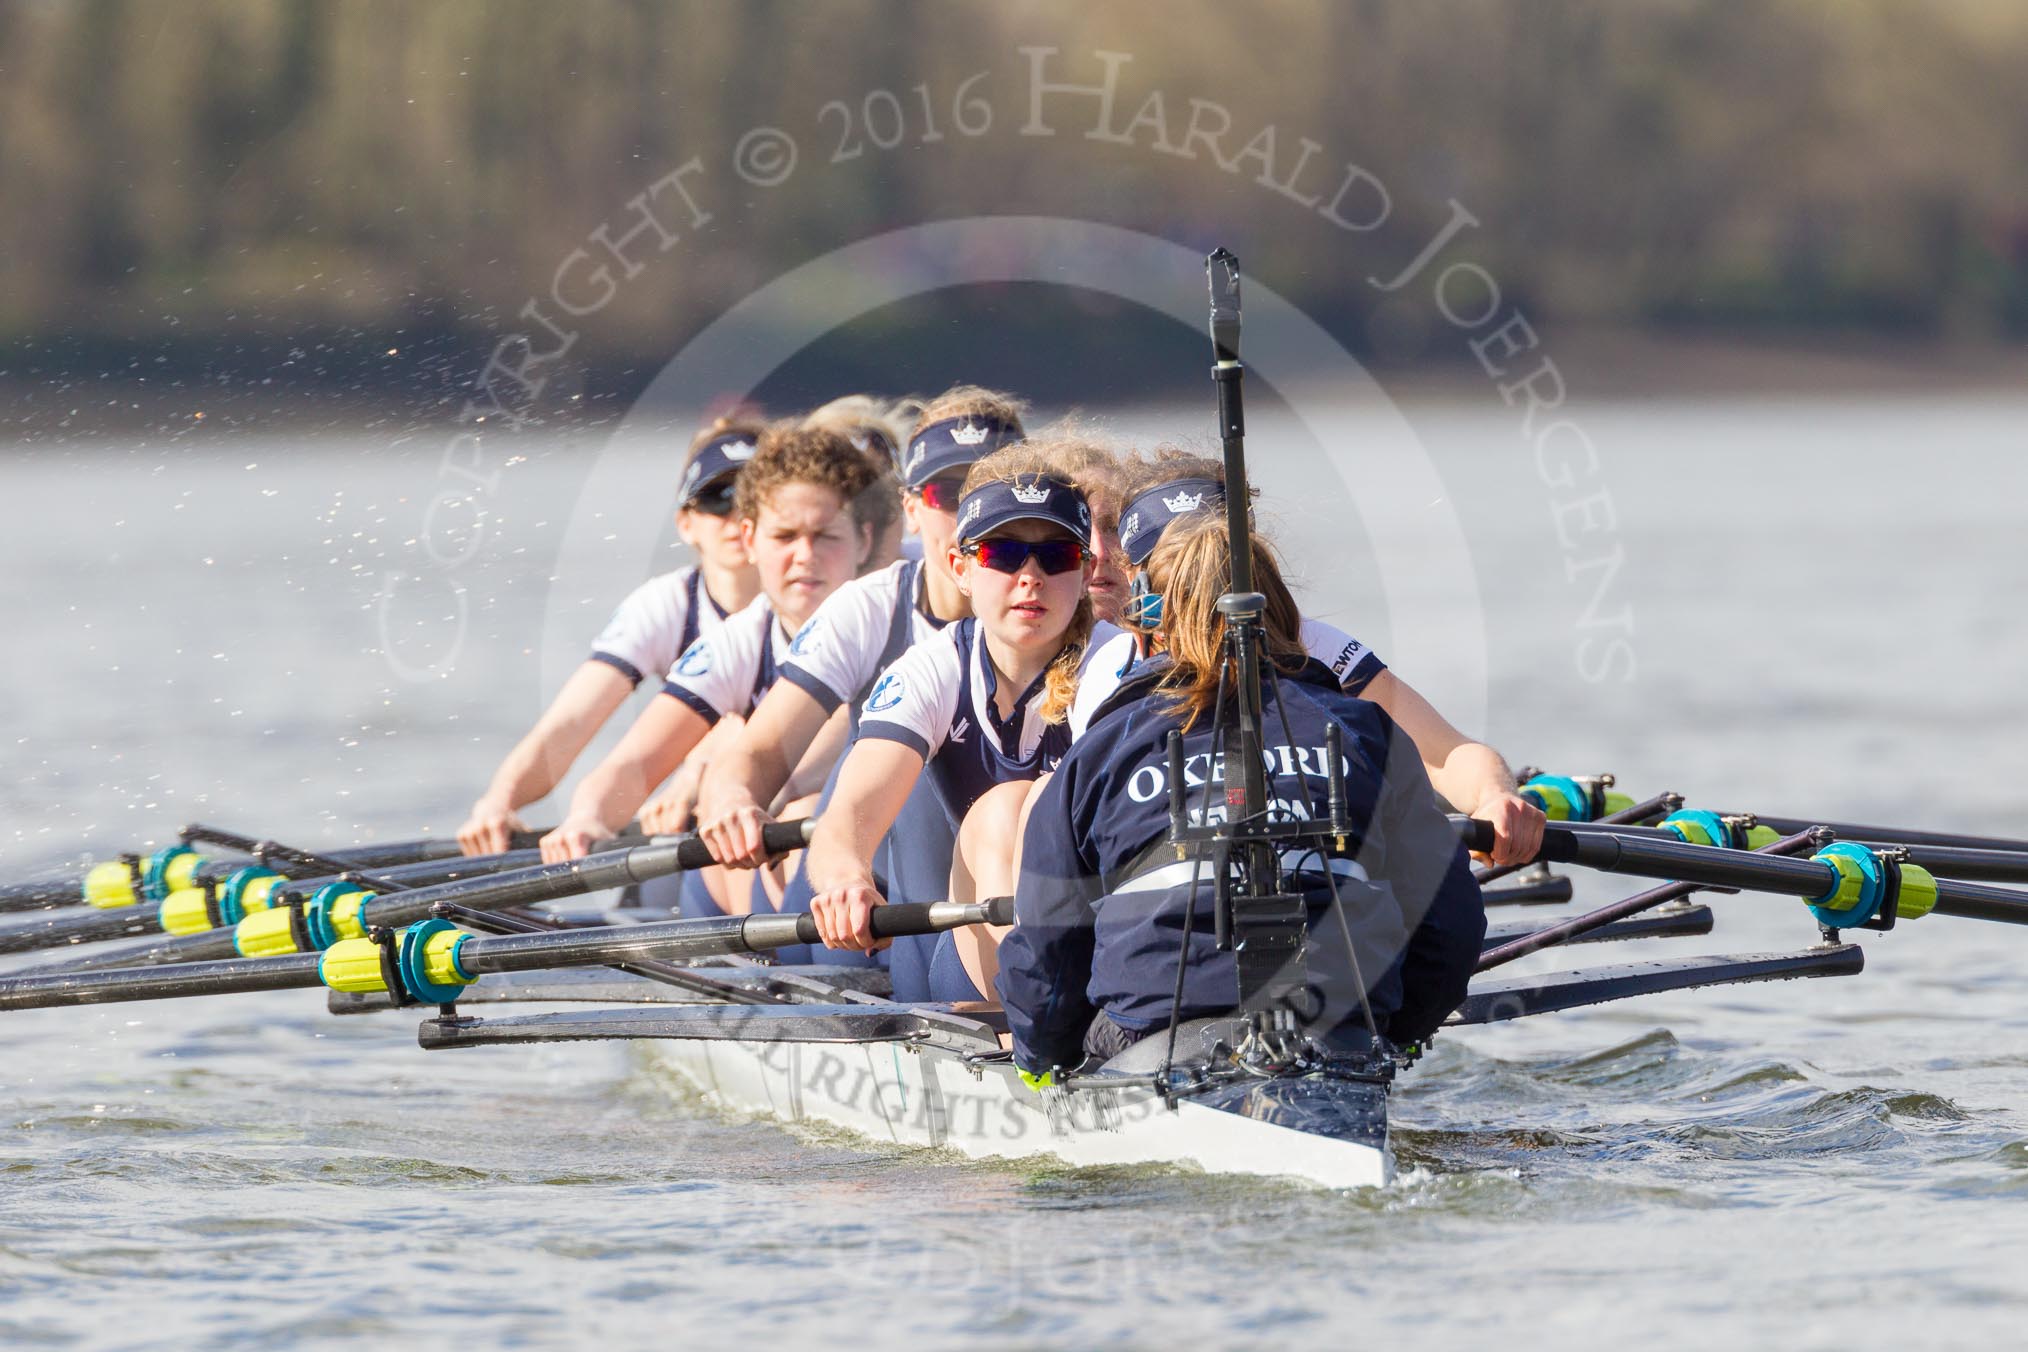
914 858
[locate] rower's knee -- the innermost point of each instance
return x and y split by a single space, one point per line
989 839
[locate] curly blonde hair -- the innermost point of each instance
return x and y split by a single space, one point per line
792 453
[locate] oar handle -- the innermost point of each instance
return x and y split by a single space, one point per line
904 918
777 839
1478 835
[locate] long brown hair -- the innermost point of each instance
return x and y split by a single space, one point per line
1073 460
1192 568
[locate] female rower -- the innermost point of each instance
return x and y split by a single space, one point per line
868 424
875 426
1471 776
979 707
1091 965
795 503
652 627
835 659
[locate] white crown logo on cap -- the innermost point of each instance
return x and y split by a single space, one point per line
738 450
967 435
916 453
1131 526
1031 494
972 509
1184 502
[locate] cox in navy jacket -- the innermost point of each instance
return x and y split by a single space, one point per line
1098 923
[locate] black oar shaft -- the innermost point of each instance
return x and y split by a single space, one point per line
1946 861
68 929
1621 852
614 946
1981 901
293 972
1576 926
40 894
51 893
1894 835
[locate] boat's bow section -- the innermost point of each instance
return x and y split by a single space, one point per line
1322 1106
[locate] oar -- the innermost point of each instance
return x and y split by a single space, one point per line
433 961
134 878
1846 884
222 903
1894 835
1946 861
1577 926
307 924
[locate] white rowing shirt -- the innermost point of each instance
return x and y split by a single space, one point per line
856 632
1352 662
728 670
657 622
937 699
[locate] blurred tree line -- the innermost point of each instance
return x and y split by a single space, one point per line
210 170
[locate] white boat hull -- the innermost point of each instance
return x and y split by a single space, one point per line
917 1095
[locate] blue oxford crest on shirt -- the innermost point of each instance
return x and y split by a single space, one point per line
696 659
801 642
886 694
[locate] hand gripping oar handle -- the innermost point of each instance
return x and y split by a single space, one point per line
764 932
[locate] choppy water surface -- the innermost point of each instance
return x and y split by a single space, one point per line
1823 599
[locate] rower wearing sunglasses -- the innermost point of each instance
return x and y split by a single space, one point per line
1173 485
795 503
835 660
649 631
978 710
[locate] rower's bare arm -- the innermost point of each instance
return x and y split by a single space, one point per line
752 769
661 737
540 759
875 781
1472 777
819 760
674 809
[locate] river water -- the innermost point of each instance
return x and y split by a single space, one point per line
1819 605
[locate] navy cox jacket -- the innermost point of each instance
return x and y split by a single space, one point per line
1099 921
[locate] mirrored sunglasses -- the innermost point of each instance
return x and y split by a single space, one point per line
1007 556
944 494
713 499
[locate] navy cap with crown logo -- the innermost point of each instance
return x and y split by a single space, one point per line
954 443
1025 497
1152 509
724 454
